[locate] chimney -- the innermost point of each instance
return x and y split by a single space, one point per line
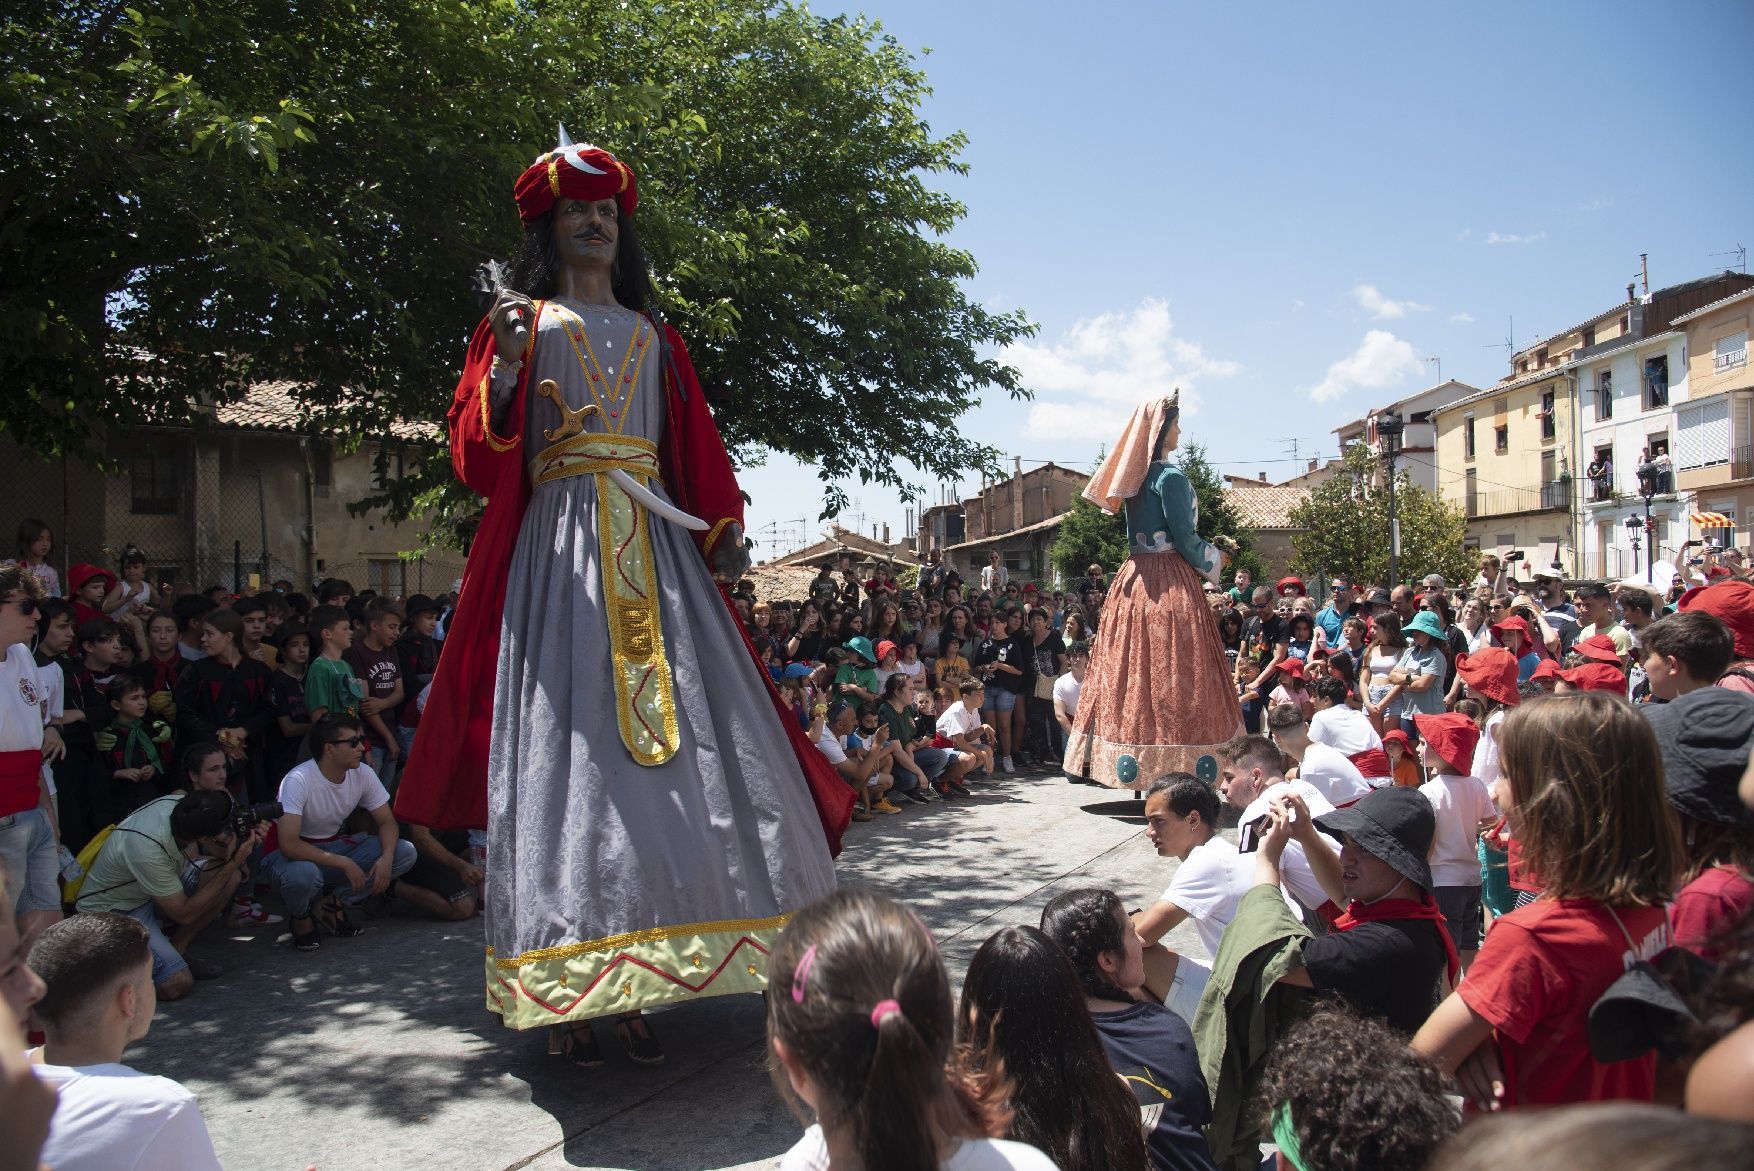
1017 492
886 532
1631 289
1312 464
1261 476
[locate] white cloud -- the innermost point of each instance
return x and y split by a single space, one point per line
1514 238
1464 234
1089 381
1461 318
1599 203
1380 307
1381 360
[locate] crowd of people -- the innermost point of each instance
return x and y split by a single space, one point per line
1493 843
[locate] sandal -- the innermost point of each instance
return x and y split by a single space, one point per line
332 915
577 1042
641 1046
307 940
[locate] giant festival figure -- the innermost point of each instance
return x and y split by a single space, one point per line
652 816
1157 697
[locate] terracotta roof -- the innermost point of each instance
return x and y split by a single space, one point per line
1052 522
1265 506
839 539
275 406
777 582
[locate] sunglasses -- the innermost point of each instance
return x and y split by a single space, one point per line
26 605
351 741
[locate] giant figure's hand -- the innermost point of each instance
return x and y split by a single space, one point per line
731 555
511 318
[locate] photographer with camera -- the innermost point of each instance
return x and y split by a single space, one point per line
182 857
316 854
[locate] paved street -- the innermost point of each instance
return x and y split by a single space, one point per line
376 1052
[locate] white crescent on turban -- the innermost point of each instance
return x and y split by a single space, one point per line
571 155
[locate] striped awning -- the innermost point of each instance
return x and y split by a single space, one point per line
1713 520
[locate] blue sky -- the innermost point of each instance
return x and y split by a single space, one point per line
1285 208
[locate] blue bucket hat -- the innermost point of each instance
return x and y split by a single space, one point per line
1425 622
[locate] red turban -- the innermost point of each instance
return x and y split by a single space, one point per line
574 171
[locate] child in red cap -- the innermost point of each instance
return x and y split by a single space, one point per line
1402 766
1463 809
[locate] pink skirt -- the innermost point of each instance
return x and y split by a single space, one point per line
1158 688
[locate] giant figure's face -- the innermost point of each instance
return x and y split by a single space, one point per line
586 232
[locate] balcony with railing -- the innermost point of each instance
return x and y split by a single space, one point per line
1554 496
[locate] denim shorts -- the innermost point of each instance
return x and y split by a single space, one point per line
998 701
167 961
932 761
30 861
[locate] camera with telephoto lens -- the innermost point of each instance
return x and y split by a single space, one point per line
246 817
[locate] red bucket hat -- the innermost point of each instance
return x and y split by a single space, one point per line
885 649
1512 623
1290 585
1731 601
1399 737
1596 677
84 572
574 170
1452 736
1492 672
1545 669
1598 647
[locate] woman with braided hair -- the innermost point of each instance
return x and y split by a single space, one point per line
1149 1046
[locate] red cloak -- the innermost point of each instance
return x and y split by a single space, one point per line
444 783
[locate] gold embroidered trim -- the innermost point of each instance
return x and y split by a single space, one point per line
712 536
644 692
493 440
638 938
554 177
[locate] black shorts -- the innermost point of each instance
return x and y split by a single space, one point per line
431 874
1461 911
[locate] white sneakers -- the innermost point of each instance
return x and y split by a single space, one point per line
1006 764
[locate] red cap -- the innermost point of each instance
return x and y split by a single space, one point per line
1598 647
84 572
1514 622
574 171
1545 669
885 649
1399 737
1596 677
1292 667
1452 736
1290 585
1492 672
1732 602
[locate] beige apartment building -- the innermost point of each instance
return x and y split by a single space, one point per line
1714 431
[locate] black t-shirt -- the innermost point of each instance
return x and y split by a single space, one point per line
1388 969
1153 1051
286 697
981 651
1046 654
1017 651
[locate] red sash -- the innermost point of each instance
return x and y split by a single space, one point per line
20 780
1424 908
1372 762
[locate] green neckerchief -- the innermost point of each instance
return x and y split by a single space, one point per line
1285 1136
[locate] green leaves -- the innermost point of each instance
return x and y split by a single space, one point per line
211 194
1346 526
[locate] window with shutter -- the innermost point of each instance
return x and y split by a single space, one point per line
1730 351
1702 434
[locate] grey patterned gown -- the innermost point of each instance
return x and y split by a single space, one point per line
614 885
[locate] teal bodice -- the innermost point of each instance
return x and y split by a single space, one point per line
1163 517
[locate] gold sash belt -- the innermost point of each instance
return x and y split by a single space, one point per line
645 697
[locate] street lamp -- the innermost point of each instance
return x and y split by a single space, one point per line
1388 429
1634 529
1647 487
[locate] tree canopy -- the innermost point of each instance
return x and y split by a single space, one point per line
1345 527
197 197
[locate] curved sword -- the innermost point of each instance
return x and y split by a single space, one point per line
662 508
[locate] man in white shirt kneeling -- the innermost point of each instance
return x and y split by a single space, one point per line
98 969
316 854
1181 821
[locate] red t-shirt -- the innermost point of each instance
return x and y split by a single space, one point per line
1719 898
1538 973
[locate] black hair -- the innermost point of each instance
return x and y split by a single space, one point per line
1333 690
1022 1021
249 605
332 589
200 815
895 683
1636 600
1186 794
1086 923
324 730
1291 623
892 1081
122 686
188 609
195 755
1340 1074
96 630
970 686
81 957
324 618
133 555
537 263
29 530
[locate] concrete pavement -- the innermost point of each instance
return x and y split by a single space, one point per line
376 1052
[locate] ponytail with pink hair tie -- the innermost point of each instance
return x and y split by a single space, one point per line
884 1010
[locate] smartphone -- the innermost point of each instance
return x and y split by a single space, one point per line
1249 834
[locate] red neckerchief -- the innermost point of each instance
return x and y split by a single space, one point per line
1421 908
165 671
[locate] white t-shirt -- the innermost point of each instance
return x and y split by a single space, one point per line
325 805
1294 872
1461 804
831 746
112 1118
957 720
133 596
1209 885
1066 693
1346 731
22 700
1328 770
810 1153
1486 765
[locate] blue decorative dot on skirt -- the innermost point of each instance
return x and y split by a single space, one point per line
1206 768
1127 769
